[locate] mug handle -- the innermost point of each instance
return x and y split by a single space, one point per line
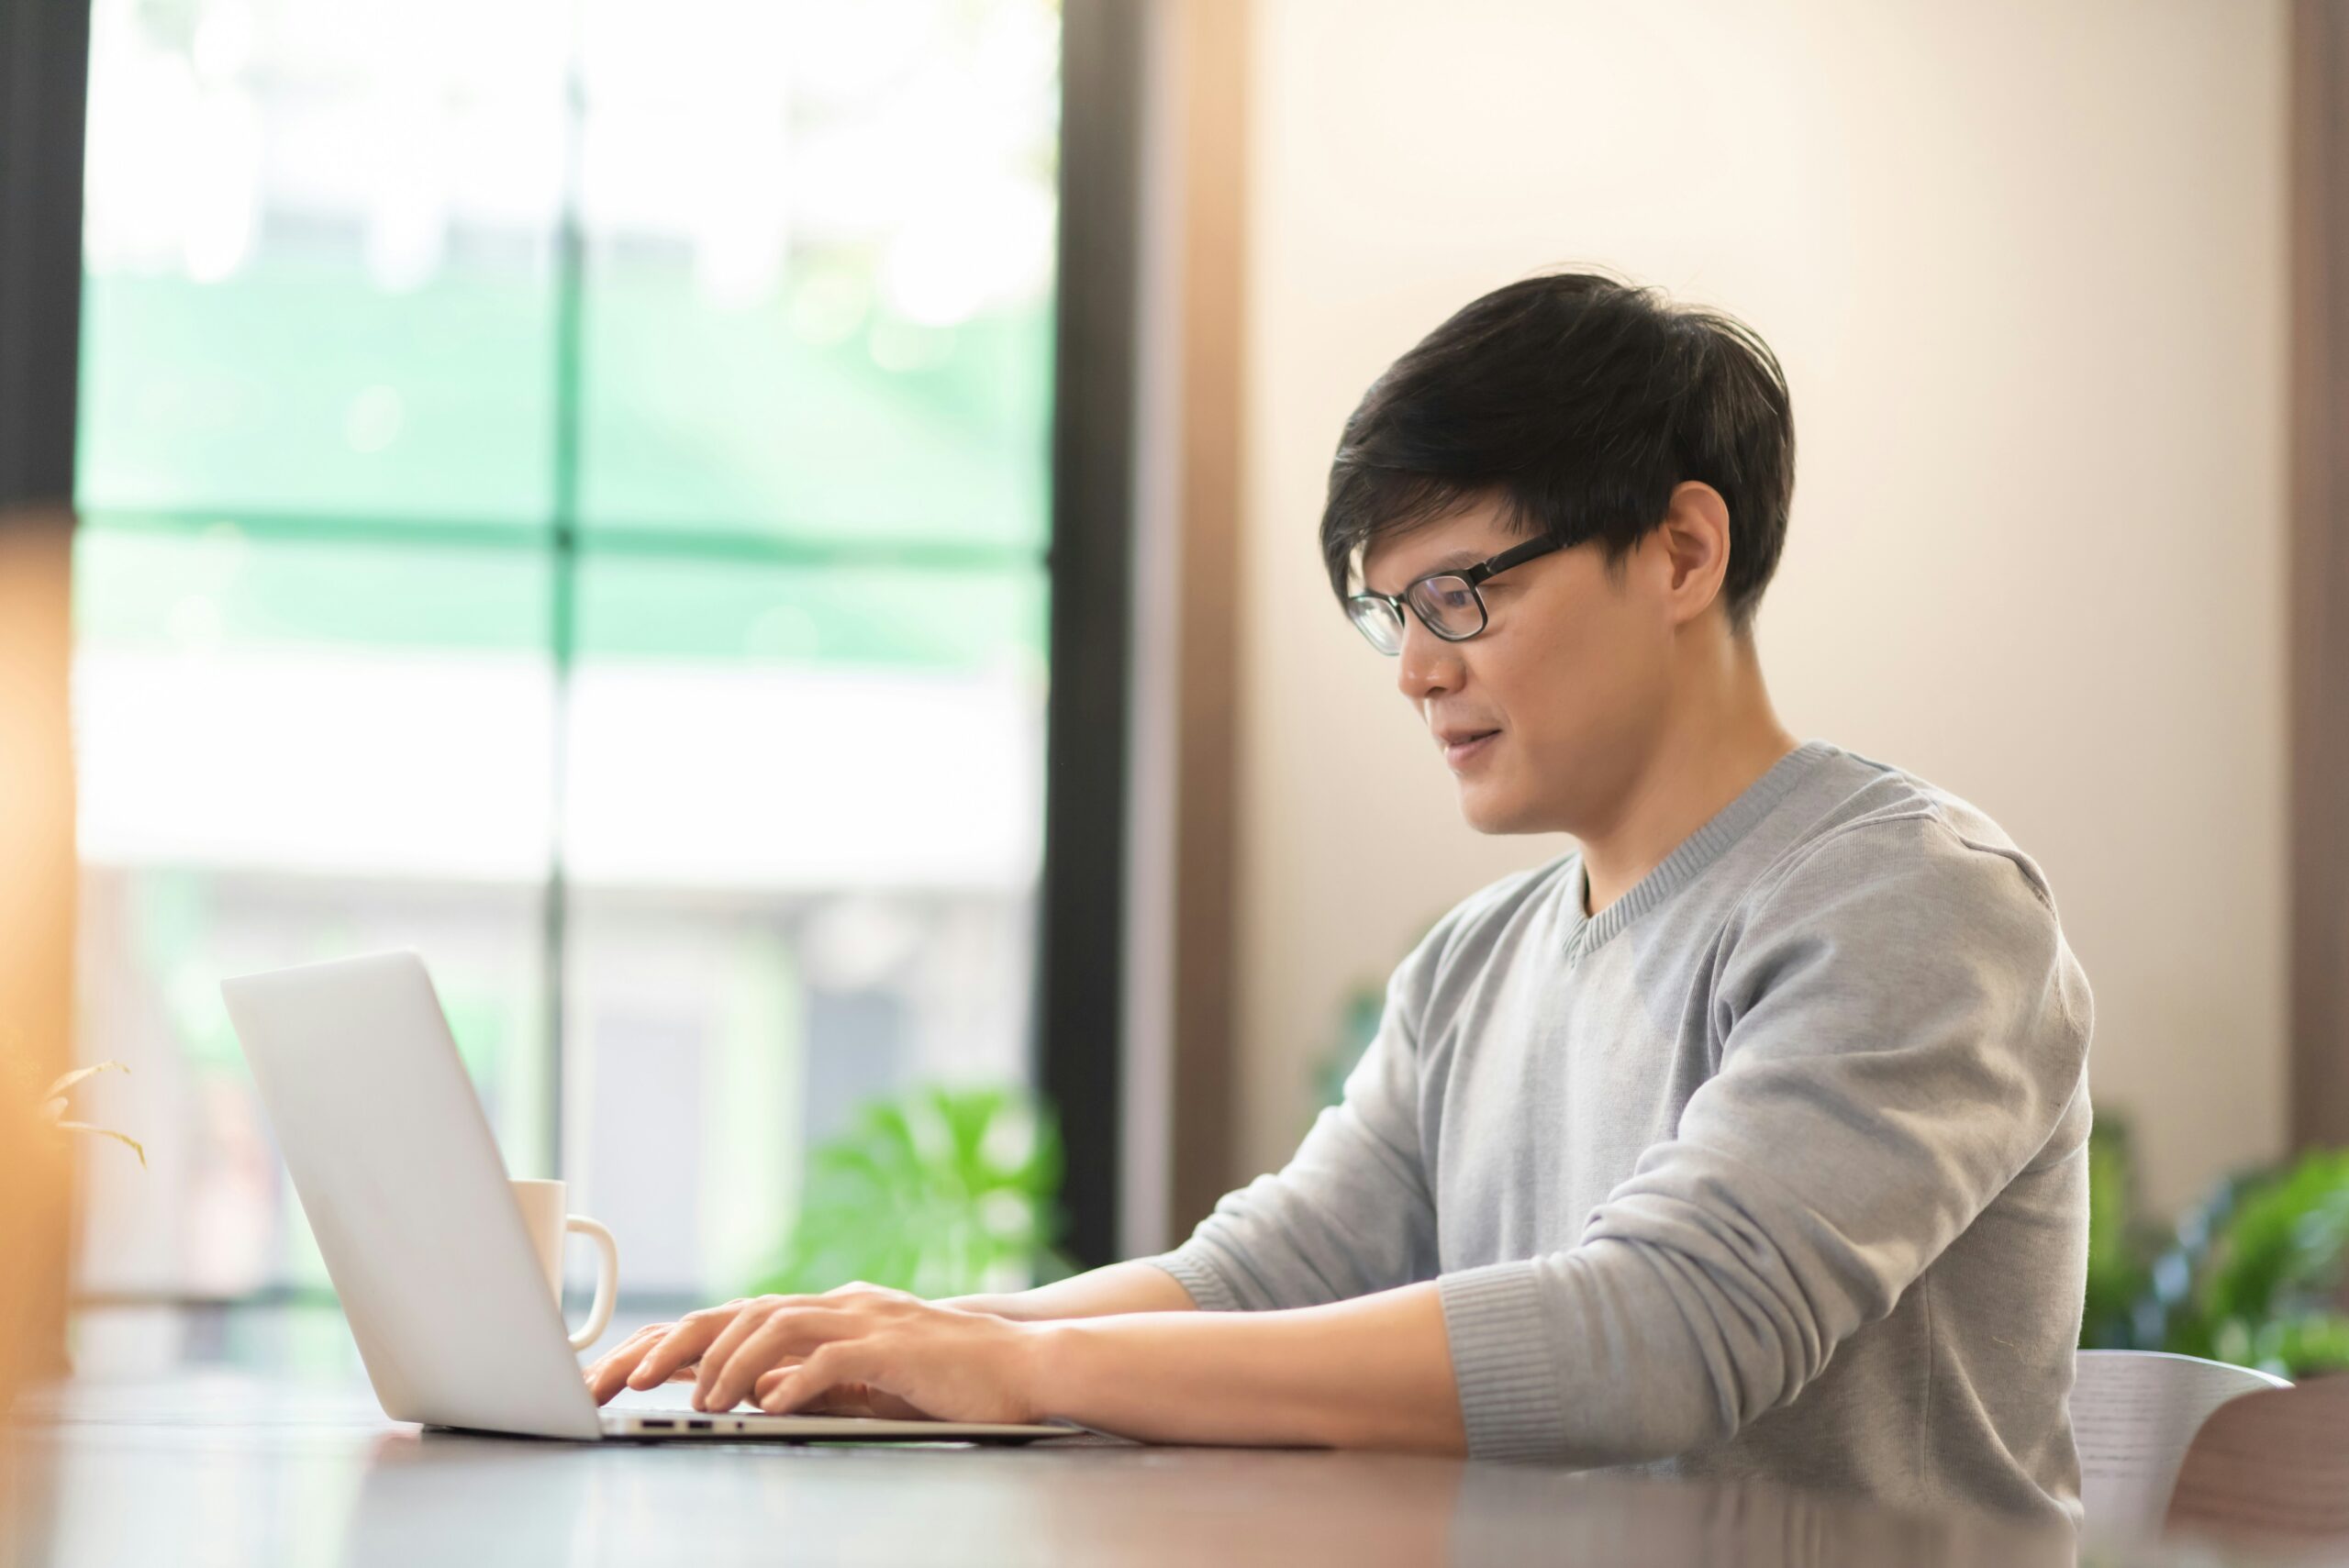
607 1278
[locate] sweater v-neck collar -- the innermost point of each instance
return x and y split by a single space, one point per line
1584 934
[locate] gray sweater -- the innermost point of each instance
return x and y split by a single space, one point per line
1776 1170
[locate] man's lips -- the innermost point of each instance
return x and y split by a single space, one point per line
1462 744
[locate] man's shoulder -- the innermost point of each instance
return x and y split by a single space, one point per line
1898 884
1499 902
1865 819
1476 925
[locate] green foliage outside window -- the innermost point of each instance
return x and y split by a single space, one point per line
939 1192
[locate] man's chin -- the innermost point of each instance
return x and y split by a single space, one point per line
1487 812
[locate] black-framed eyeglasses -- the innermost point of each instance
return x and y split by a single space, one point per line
1448 603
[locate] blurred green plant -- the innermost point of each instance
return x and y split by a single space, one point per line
1358 1020
2251 1273
939 1192
1360 1012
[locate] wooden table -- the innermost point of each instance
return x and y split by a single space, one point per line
252 1470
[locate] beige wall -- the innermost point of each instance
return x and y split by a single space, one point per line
2025 265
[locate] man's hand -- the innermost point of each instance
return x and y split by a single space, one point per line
858 1349
1293 1378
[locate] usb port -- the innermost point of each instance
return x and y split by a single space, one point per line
652 1426
697 1426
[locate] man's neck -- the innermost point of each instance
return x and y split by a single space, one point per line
1697 769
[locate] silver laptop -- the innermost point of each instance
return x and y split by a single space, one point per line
406 1192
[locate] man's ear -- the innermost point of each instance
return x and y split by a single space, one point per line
1694 537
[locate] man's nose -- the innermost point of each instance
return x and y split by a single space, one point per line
1428 665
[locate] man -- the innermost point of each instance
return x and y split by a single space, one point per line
1749 1140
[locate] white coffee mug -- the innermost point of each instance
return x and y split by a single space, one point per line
543 1217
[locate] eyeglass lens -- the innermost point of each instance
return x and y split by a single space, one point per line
1447 604
1378 622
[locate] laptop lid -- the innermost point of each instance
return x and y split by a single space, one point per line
405 1188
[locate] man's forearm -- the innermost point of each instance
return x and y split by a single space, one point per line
1102 1293
1374 1372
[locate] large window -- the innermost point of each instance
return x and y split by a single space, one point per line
564 488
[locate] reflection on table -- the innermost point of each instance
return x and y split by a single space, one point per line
236 1467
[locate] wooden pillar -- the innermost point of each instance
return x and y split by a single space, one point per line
1211 41
44 69
2319 567
36 910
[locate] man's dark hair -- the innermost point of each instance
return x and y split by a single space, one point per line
1580 401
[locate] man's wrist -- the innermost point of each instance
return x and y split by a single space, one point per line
1059 1353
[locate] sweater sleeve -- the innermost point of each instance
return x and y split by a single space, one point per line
1903 1030
1353 1211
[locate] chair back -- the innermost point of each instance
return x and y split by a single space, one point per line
2134 1414
2271 1468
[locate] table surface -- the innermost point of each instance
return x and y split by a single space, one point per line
232 1467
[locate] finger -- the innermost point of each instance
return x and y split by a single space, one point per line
752 1316
786 1331
626 1348
845 1399
684 1342
833 1393
746 1322
849 1399
686 1374
610 1375
803 1386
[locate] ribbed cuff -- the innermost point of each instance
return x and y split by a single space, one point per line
1208 1292
1501 1361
